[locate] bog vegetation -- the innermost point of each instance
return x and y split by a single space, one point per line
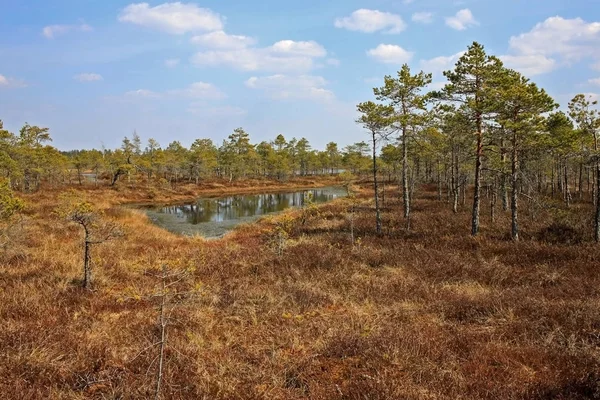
463 263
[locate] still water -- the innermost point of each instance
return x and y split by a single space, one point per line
215 217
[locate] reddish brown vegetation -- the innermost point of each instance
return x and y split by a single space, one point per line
432 314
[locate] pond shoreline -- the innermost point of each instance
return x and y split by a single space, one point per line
233 191
215 216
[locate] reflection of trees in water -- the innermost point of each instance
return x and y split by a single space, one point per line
236 207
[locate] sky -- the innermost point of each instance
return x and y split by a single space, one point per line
93 71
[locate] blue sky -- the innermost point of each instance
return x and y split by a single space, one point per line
93 71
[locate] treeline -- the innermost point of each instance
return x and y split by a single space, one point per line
26 160
489 128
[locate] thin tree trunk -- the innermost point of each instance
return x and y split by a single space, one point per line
566 184
503 186
552 180
377 215
163 332
597 217
439 181
493 202
454 180
580 187
477 189
87 257
405 188
514 200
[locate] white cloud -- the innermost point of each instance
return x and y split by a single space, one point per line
222 40
200 108
175 18
52 31
290 47
8 82
292 87
142 93
571 39
88 77
462 20
555 42
437 65
423 17
390 54
283 56
530 64
596 66
595 81
200 90
370 21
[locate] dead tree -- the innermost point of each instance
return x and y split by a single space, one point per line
168 296
96 229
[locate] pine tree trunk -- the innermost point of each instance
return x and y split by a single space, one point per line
439 181
405 188
559 178
552 180
514 200
580 187
477 189
597 218
493 202
566 184
87 258
503 186
377 215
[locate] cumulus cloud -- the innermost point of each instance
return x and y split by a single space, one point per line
7 82
88 77
554 42
142 93
570 39
52 31
290 47
423 17
292 87
174 18
529 64
222 40
370 21
390 54
285 55
439 64
462 20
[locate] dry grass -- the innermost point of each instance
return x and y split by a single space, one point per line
431 314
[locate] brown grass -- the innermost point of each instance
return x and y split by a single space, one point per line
430 314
